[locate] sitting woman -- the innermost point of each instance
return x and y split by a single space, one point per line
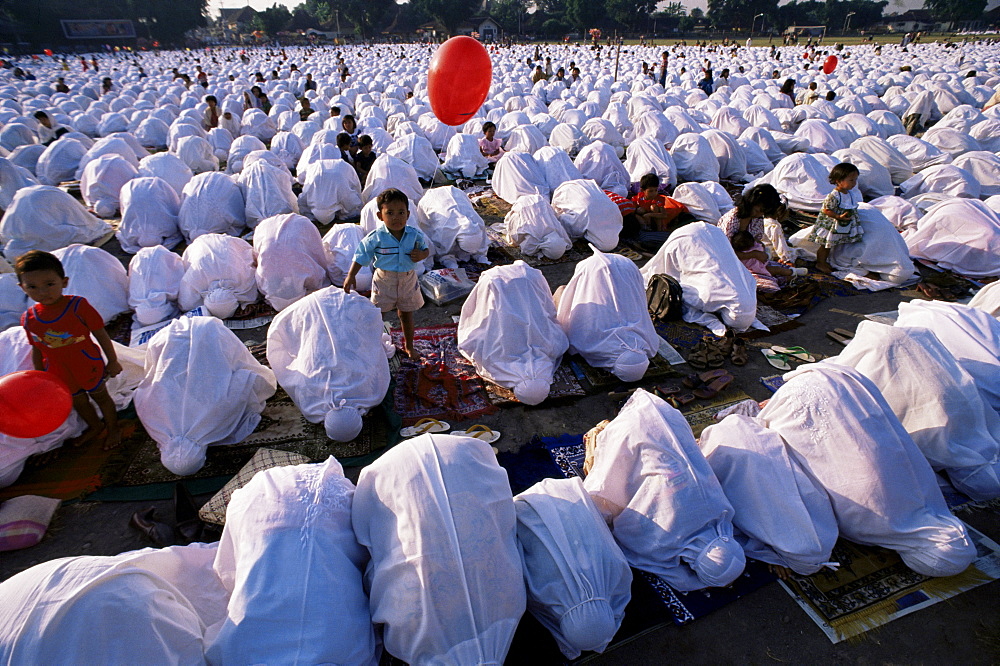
744 226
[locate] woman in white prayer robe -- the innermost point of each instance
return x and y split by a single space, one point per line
291 261
42 217
604 314
202 387
937 402
219 274
883 491
532 226
970 334
450 221
783 517
598 162
154 280
519 174
267 191
293 573
98 276
587 212
326 351
462 158
150 209
445 576
331 189
340 243
961 235
389 171
508 330
151 606
666 509
211 203
578 580
647 155
719 291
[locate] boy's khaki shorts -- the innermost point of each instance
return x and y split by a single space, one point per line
396 291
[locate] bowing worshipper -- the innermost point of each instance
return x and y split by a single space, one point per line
328 354
577 578
445 577
665 507
292 569
603 312
788 521
937 402
839 428
508 330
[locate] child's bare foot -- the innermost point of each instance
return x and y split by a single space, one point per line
784 573
113 439
824 267
84 437
413 354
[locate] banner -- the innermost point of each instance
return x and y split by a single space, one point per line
107 29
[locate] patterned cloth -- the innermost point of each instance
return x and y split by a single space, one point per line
730 225
828 231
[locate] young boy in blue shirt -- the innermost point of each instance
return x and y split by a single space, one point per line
393 248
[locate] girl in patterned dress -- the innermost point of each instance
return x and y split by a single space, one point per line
838 221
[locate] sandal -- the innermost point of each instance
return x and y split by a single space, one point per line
711 390
485 433
696 380
716 357
798 353
725 343
844 332
664 390
838 338
778 360
739 356
424 426
698 358
678 401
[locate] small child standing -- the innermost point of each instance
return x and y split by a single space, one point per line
838 221
59 329
393 248
489 145
344 144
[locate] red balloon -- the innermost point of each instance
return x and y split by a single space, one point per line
33 403
830 64
459 79
48 52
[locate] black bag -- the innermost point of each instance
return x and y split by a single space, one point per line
664 298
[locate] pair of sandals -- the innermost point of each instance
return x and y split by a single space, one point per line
779 357
703 386
713 353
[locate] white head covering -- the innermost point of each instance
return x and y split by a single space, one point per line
666 508
437 515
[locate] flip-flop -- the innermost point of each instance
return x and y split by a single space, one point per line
838 338
709 391
482 432
798 353
844 332
696 380
424 426
778 360
678 401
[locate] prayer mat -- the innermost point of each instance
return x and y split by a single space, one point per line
564 385
490 205
700 414
71 475
772 382
579 251
567 452
444 385
599 379
873 587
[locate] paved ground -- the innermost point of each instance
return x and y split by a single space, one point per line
765 627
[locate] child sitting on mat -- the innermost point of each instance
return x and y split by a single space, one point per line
59 330
393 248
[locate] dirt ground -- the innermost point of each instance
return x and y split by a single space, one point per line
764 627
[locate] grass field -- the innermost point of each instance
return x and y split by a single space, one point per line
849 40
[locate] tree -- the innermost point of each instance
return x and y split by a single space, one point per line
727 14
584 14
448 12
365 15
630 13
956 10
319 10
510 14
275 19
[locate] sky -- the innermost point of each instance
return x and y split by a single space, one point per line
894 7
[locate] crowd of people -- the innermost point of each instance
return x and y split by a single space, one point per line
891 155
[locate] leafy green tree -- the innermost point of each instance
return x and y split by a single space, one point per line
275 19
553 27
584 14
630 13
727 14
319 10
510 14
365 15
956 10
449 12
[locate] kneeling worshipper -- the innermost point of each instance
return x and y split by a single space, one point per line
327 353
292 568
666 509
147 606
960 235
508 329
971 335
578 580
202 387
839 428
219 274
987 299
783 517
445 576
719 291
937 402
604 314
291 261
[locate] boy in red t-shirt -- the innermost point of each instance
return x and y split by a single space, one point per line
655 211
59 329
